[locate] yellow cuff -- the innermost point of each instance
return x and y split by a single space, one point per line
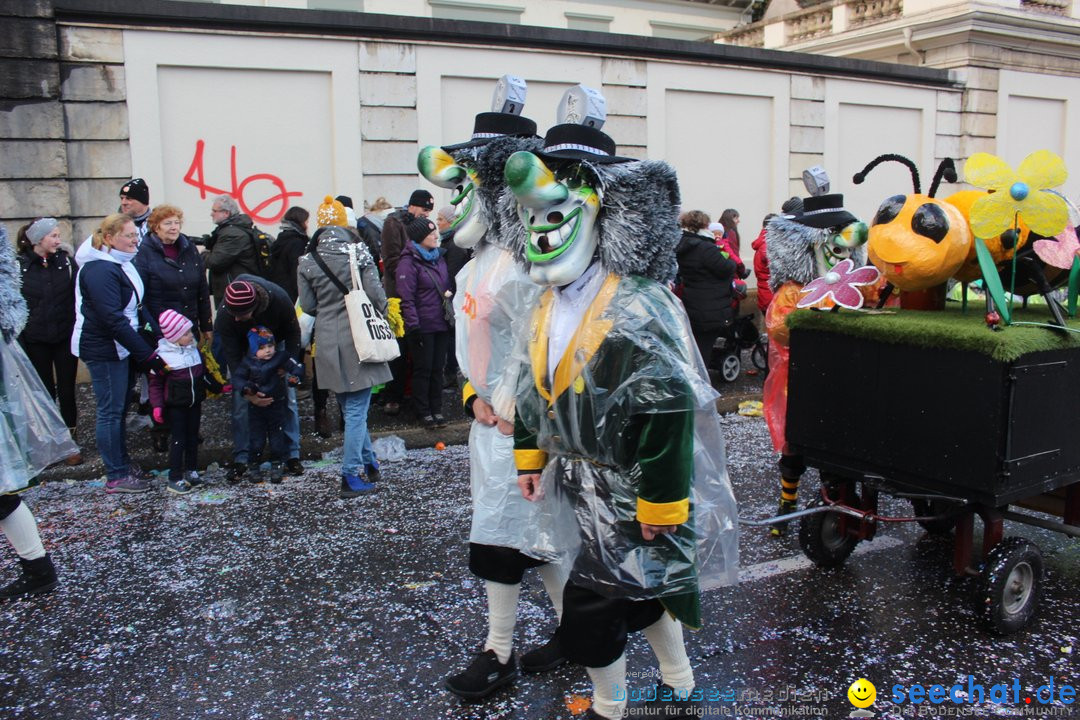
672 513
530 459
467 392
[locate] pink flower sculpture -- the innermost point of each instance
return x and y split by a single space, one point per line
839 286
1060 251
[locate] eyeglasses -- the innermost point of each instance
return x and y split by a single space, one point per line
128 236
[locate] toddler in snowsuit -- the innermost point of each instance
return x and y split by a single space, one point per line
266 372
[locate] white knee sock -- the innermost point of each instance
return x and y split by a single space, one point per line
554 576
22 532
502 613
665 636
605 681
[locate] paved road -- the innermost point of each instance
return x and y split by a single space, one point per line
285 602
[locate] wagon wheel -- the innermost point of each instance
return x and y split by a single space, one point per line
936 506
760 356
821 539
1009 585
730 367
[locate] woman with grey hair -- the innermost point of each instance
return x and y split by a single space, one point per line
48 285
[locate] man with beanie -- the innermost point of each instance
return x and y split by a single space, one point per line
135 201
249 301
231 246
394 238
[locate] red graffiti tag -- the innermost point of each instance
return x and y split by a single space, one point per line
196 178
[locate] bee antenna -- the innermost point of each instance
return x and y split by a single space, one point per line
946 170
859 177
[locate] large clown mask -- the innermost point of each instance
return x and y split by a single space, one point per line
440 168
836 245
558 207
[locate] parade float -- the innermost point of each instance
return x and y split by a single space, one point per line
964 411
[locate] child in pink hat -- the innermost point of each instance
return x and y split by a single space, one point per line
177 396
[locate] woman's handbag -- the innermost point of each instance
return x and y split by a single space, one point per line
447 306
372 337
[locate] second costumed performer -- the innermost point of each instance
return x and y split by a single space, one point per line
493 299
615 414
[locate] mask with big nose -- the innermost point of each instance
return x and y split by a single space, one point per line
439 168
559 210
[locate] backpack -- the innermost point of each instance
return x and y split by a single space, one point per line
263 255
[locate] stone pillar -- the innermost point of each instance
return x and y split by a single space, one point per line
807 128
388 122
623 87
94 97
31 117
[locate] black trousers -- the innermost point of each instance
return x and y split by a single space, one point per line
594 628
428 352
183 439
54 360
267 424
705 342
8 504
399 370
499 564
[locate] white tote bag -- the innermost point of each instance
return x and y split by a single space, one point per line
371 333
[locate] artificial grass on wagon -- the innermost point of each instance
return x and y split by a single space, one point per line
949 328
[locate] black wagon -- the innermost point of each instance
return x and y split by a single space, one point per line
962 421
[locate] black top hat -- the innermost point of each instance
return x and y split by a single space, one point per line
579 142
824 211
490 125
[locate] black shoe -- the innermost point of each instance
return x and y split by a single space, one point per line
483 676
391 408
236 472
428 421
669 704
38 578
440 421
546 657
293 467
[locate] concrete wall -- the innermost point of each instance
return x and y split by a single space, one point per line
308 115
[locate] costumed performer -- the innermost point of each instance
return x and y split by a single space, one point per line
32 436
615 413
493 301
800 247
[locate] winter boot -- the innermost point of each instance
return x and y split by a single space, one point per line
277 472
38 577
484 675
354 486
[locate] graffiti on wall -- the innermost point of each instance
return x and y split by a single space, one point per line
271 198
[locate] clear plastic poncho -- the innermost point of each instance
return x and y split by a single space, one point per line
493 303
32 433
632 360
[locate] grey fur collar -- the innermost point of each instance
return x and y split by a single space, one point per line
489 159
13 310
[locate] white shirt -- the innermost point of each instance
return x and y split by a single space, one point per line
567 309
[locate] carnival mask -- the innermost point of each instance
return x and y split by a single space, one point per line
838 244
558 210
439 168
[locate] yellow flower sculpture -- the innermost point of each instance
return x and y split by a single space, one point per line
1024 191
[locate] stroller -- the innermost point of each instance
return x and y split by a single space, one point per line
741 334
